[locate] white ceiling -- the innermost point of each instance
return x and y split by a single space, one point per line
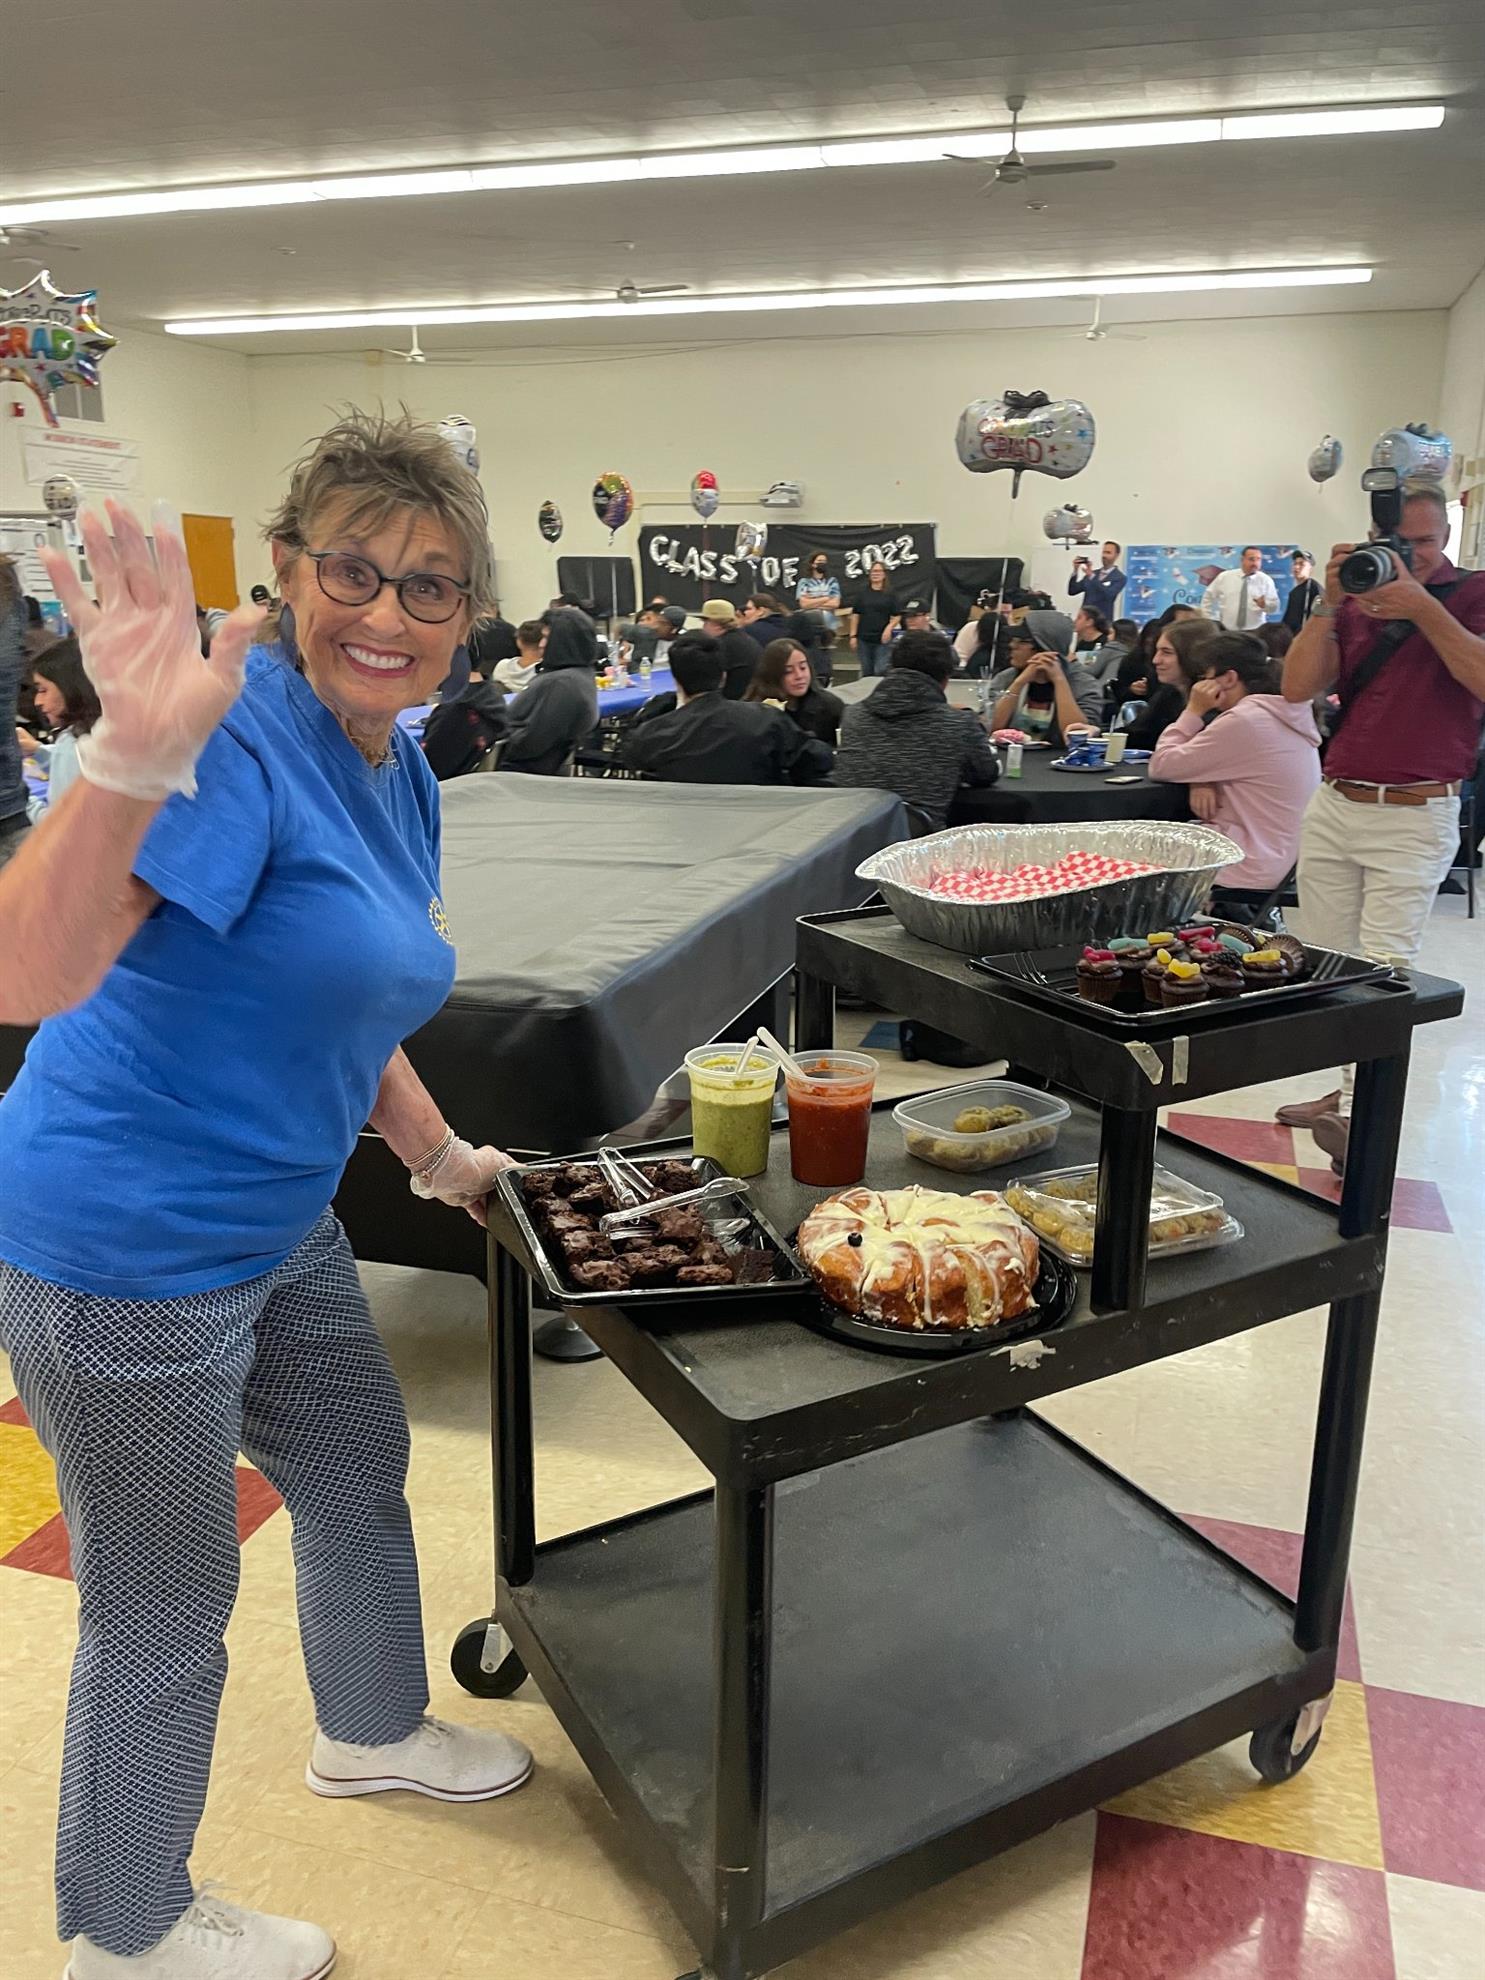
157 92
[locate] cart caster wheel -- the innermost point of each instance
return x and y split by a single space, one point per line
1273 1750
483 1661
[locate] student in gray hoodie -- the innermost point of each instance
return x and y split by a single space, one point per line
550 718
906 738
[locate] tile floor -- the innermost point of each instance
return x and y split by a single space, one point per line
1369 1866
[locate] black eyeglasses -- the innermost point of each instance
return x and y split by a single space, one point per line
427 596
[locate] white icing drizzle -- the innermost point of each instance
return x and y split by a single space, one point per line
921 1229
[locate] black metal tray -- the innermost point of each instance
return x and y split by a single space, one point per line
1049 976
1056 1294
771 1266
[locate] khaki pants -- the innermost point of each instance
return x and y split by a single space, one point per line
1368 874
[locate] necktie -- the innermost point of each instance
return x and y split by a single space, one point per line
1242 624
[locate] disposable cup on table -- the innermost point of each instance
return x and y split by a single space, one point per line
732 1107
1116 746
830 1117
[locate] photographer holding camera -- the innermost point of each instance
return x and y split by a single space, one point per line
1399 636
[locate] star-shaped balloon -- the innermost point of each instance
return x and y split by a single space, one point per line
48 340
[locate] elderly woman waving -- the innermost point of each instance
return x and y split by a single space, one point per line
249 926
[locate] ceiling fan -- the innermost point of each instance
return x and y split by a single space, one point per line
25 237
415 354
627 292
1098 331
1013 169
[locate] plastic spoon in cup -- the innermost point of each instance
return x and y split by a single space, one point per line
785 1058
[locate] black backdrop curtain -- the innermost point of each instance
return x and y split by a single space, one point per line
607 581
962 579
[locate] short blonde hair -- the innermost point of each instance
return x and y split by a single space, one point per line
377 464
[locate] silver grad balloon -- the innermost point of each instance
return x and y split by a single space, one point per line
705 494
1028 433
751 539
1414 453
1325 460
460 434
1069 524
549 521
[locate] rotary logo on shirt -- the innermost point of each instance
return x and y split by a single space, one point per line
440 921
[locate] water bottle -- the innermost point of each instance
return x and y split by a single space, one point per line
1013 760
646 668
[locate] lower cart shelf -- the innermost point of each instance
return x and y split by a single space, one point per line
973 1635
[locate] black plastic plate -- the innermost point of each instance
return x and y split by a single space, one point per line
1050 976
1056 1294
768 1265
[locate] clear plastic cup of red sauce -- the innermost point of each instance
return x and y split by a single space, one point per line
830 1117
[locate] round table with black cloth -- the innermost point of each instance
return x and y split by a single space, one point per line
1044 796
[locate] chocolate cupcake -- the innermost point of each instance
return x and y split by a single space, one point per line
1183 983
1131 953
1100 978
1295 955
1224 978
1262 969
1153 974
1167 939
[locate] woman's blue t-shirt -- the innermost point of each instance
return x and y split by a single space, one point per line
186 1127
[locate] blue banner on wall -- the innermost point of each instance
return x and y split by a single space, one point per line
1162 574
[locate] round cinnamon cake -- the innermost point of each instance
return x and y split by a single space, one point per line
921 1258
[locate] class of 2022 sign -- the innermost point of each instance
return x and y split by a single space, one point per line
688 563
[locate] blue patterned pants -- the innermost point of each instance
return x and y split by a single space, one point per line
144 1405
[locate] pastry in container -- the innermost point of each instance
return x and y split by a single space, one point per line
968 1129
1060 1206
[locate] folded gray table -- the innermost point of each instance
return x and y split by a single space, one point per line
603 928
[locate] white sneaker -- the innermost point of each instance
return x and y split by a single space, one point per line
215 1940
451 1763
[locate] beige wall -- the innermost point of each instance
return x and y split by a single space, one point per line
189 410
1462 410
1203 429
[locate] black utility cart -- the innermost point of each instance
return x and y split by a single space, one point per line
914 1624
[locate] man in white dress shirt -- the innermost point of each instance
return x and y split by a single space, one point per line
1242 599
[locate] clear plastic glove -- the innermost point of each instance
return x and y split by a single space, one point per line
463 1177
140 644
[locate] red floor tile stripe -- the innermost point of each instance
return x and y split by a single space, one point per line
1428 1757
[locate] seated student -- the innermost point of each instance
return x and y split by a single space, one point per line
784 679
493 641
707 739
807 630
1042 692
916 616
461 731
520 670
1094 646
66 702
763 619
738 649
1260 760
1176 664
906 738
550 718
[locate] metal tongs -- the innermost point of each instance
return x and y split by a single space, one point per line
636 1192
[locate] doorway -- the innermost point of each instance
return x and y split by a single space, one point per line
211 548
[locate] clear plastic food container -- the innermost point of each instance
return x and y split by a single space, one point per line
936 1128
1060 1204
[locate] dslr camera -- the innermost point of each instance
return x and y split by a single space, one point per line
1400 455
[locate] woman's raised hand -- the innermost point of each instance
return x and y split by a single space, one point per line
140 644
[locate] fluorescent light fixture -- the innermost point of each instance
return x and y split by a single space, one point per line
770 302
926 149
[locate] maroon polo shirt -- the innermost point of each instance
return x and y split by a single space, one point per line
1415 724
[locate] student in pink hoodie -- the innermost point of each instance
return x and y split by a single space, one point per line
1259 761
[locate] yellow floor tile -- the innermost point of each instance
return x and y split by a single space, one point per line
1329 1810
28 1485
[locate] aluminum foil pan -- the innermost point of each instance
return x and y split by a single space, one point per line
1188 856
